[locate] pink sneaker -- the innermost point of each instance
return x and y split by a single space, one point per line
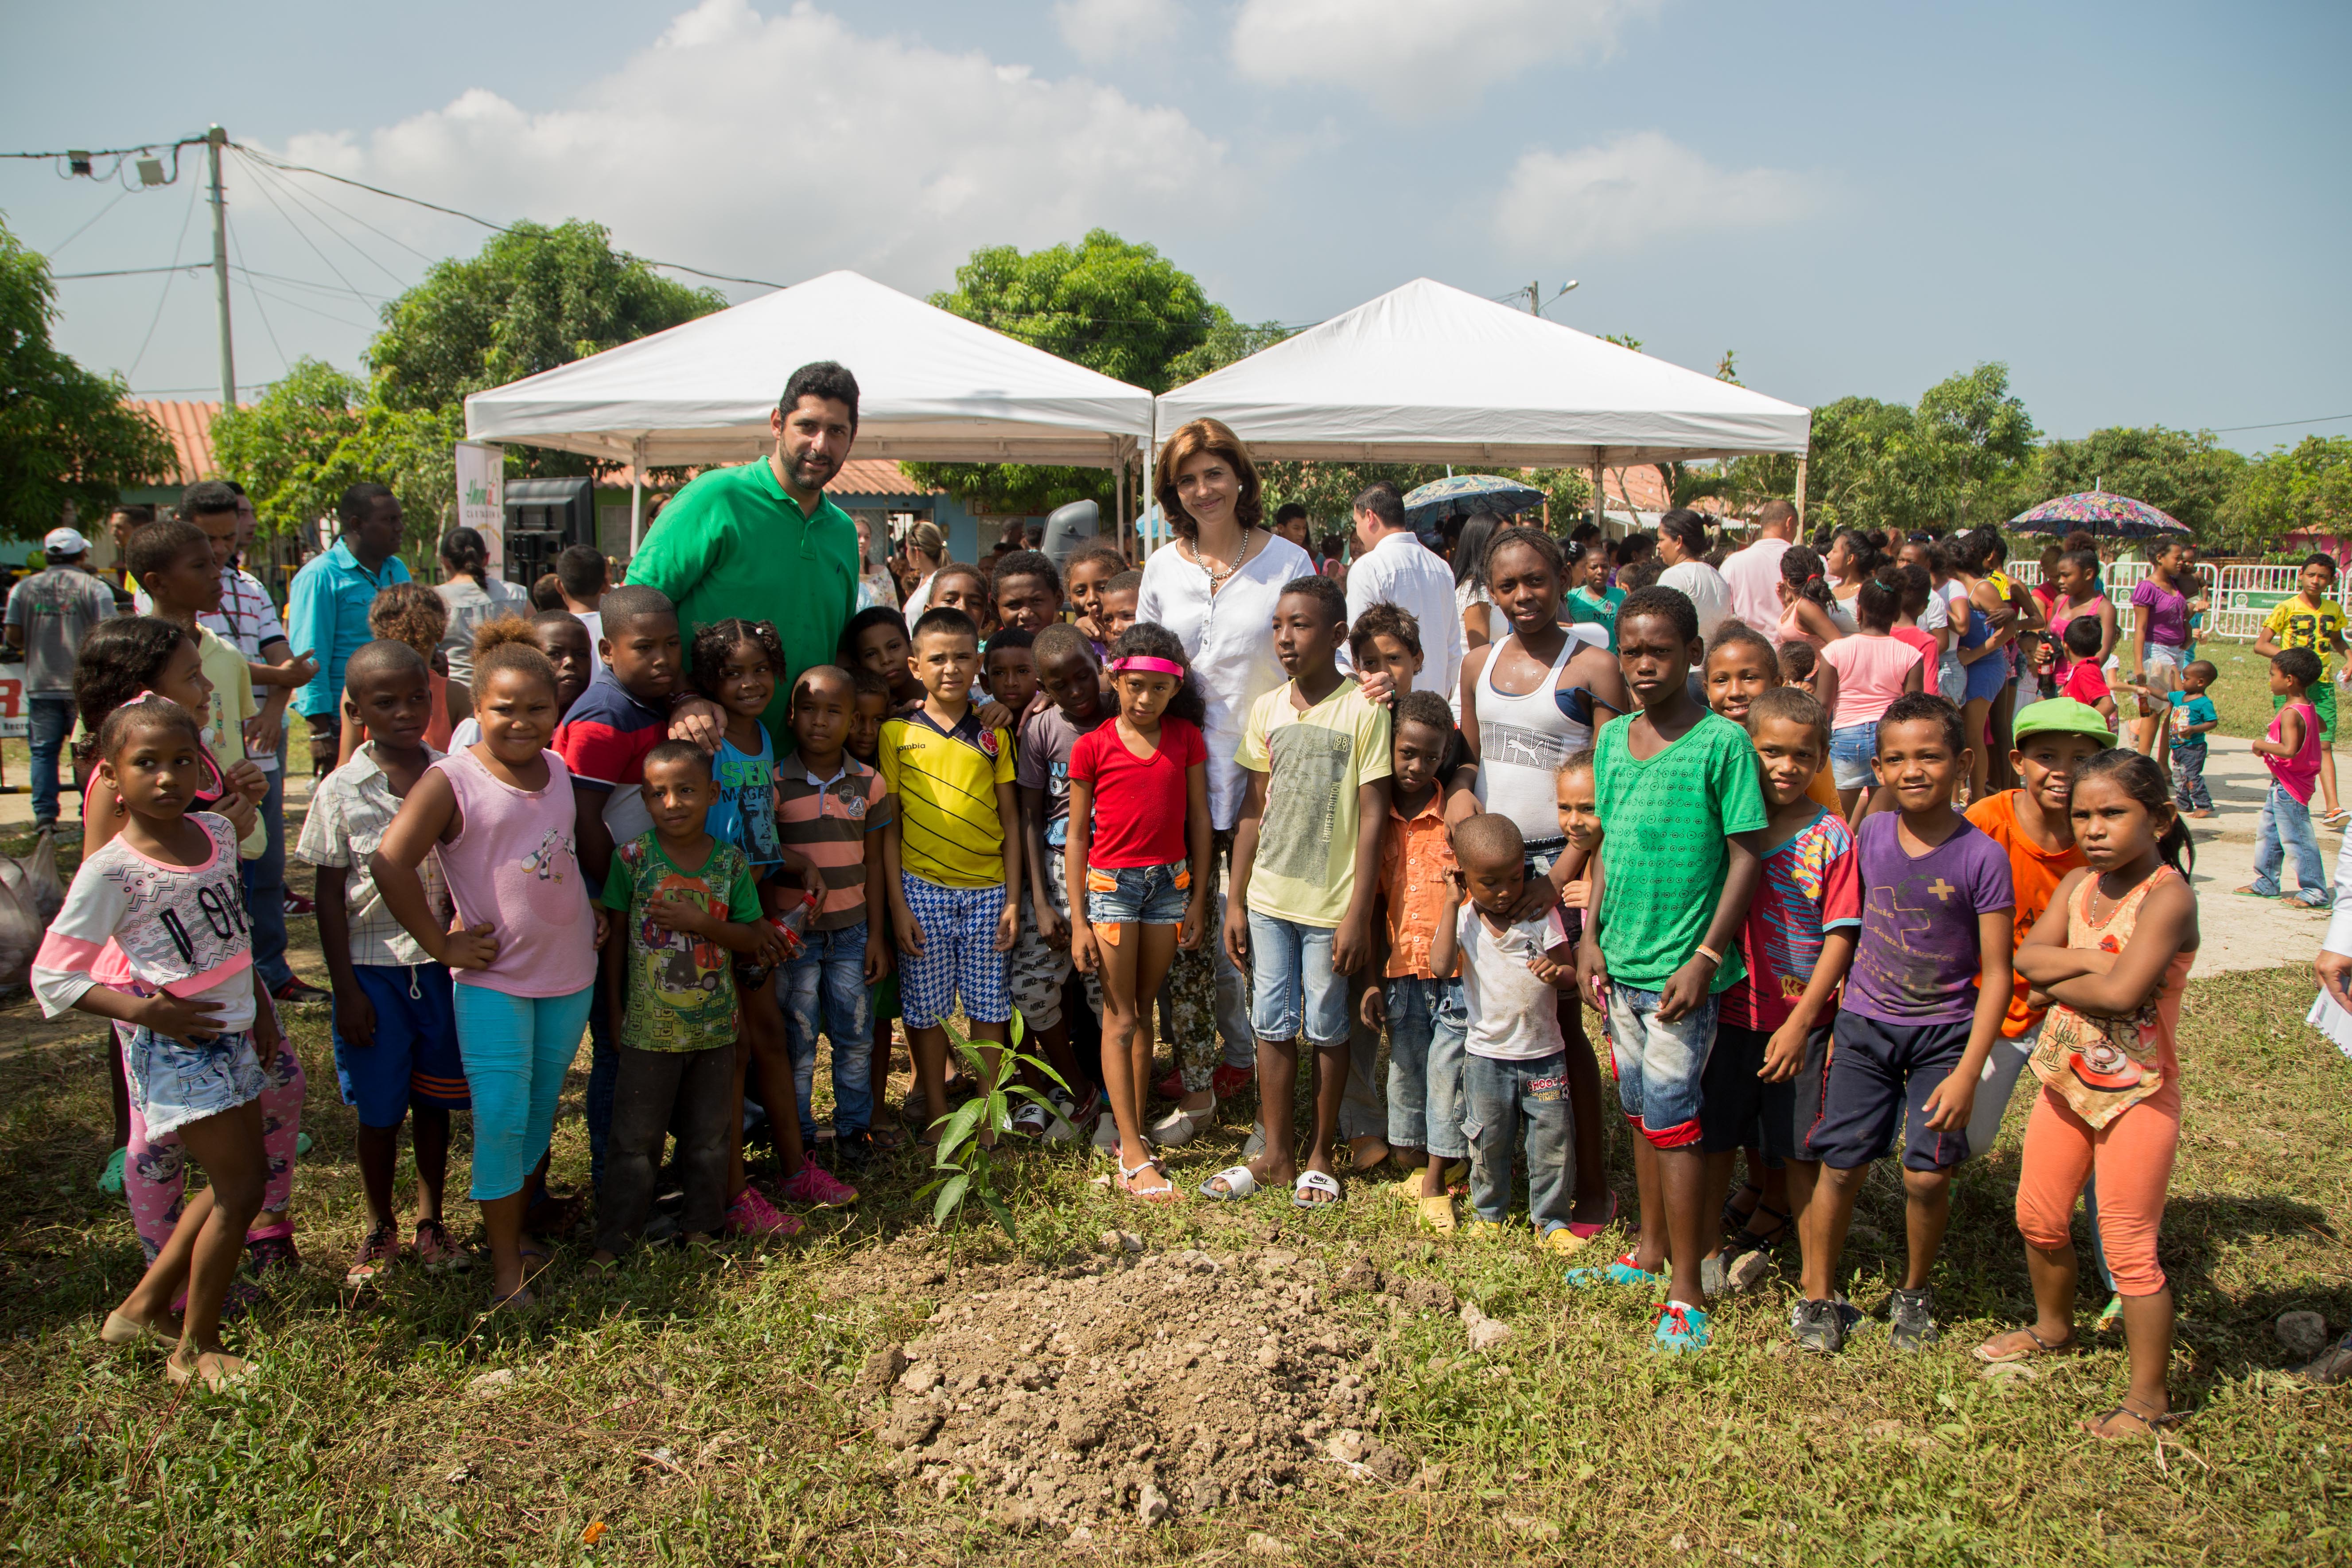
752 1215
816 1187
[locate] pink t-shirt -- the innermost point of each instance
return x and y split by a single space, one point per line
515 866
1870 674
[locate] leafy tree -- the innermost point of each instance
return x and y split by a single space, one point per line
1107 303
2306 489
1962 458
2188 475
65 435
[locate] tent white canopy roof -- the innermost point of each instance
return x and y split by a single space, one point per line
1427 374
932 387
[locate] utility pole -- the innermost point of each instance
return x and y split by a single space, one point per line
214 139
1535 298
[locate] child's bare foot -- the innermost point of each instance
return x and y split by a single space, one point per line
216 1370
1366 1152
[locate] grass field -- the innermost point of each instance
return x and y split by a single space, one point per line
709 1408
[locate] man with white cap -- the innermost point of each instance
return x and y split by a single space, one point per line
48 614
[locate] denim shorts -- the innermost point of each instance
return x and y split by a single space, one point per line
1292 983
1137 895
1659 1066
174 1083
1427 1027
1851 750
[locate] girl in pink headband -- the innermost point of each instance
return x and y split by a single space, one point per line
1139 845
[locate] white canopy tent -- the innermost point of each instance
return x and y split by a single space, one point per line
932 387
1427 374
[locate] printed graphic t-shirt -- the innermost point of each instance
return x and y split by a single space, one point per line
1314 763
603 741
744 814
2294 624
2188 711
1048 738
130 922
681 986
1513 1016
1139 802
1666 821
1812 886
1917 958
951 833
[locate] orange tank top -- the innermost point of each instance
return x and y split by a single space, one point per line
2103 1067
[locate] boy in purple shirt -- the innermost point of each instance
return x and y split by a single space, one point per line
1923 1005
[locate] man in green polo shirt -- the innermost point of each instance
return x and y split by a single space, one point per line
762 543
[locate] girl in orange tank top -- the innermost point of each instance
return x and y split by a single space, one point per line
2111 955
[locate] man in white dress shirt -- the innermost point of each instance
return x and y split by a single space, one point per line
1393 567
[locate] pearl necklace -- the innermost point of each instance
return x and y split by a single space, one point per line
1218 579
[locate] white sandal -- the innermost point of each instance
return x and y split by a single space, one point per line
1180 1127
1239 1181
1166 1195
1314 1182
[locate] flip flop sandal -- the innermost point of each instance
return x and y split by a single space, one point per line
1166 1195
1239 1183
1314 1182
2152 1425
2041 1347
1436 1210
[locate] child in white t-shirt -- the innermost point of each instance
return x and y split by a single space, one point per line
1516 1067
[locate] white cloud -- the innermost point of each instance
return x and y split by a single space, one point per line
1418 56
784 146
1636 190
1105 29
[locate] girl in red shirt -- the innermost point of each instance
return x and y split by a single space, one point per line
1139 845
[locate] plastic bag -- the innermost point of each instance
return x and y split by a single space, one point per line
30 897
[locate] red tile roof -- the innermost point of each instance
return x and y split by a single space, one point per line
876 476
190 428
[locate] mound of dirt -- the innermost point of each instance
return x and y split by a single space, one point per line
1144 1386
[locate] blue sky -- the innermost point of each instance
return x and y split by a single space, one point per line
2141 209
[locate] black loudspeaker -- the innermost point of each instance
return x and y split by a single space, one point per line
543 517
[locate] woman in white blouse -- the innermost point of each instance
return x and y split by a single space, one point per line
1682 545
1215 585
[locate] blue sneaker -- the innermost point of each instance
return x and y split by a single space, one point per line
1681 1328
1623 1271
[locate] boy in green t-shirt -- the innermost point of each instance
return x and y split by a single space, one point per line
690 900
1682 817
2313 620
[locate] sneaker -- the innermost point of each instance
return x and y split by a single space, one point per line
1681 1328
815 1186
376 1254
752 1215
1623 1270
2332 1365
1820 1326
296 904
853 1150
1068 1117
436 1252
1107 1132
1911 1319
298 992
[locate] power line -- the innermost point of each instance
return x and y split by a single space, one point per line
485 223
265 177
239 245
85 227
267 195
357 219
164 297
2282 424
132 271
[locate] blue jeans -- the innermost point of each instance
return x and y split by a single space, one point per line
1660 1066
1292 984
1497 1098
264 884
48 720
1426 1026
2285 830
823 990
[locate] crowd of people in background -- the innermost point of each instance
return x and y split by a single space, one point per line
1832 841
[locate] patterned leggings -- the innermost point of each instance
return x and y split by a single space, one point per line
155 1173
1193 984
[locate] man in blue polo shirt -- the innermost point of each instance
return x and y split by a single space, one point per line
327 609
764 542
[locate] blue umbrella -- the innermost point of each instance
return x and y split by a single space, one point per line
1428 507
